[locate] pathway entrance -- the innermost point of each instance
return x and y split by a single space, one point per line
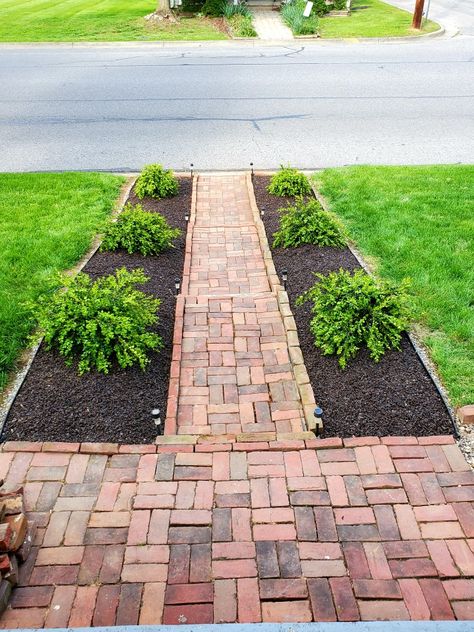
269 25
236 375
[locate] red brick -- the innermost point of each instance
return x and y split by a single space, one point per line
442 559
337 491
319 444
321 600
455 458
189 593
344 601
464 610
386 522
248 601
158 528
153 573
433 492
99 448
438 458
273 589
289 559
60 555
374 481
241 529
383 460
309 498
465 515
83 607
354 515
112 564
107 497
414 599
436 599
407 522
310 464
407 452
358 533
230 569
180 557
413 465
189 614
56 529
434 513
399 440
76 528
334 456
414 489
459 494
32 596
420 567
325 525
233 550
225 601
286 611
386 496
106 605
61 606
462 555
200 565
91 564
129 604
441 530
376 560
26 618
152 604
353 442
57 575
355 491
339 469
376 589
356 561
267 559
305 523
459 589
383 611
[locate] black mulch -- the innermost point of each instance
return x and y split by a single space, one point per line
55 404
395 396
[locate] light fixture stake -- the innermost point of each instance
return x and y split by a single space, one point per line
251 168
284 277
192 169
177 285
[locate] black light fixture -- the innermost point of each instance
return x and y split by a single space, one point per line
262 212
284 277
251 168
192 169
177 285
318 413
156 414
186 217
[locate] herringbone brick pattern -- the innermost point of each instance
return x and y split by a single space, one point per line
249 532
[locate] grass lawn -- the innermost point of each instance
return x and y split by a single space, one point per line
372 18
417 222
47 222
93 20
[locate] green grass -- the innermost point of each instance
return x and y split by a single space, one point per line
93 20
417 222
372 18
47 222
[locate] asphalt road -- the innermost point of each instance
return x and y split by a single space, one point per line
224 106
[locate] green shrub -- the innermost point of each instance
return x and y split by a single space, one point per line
292 14
99 322
156 182
214 8
308 223
351 311
236 9
137 230
288 182
241 25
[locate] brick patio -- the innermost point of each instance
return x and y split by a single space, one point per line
238 514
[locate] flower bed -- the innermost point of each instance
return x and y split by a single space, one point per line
56 404
393 397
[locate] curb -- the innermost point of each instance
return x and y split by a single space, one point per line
298 39
27 357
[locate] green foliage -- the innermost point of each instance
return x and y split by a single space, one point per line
99 322
137 230
289 182
237 9
214 8
241 26
308 223
292 14
156 182
351 311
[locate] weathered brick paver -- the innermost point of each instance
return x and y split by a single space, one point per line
235 373
220 530
237 514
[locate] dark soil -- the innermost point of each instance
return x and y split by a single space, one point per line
395 396
55 404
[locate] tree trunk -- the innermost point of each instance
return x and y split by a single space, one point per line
162 6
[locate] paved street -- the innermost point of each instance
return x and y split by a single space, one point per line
223 106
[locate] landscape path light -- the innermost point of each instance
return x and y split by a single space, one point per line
177 285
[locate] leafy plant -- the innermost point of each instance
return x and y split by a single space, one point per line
137 230
289 182
241 25
351 311
102 321
236 9
308 223
214 8
156 182
292 14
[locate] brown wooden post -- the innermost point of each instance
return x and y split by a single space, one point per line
418 14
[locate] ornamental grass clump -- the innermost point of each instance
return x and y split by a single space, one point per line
308 223
157 182
97 323
289 182
353 311
137 230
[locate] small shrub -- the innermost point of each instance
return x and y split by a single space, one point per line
137 230
308 223
102 321
237 9
351 311
289 182
156 182
241 26
214 8
292 14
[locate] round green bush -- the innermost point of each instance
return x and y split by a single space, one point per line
354 310
137 230
156 182
308 223
289 182
97 323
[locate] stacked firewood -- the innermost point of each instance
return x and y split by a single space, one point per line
16 540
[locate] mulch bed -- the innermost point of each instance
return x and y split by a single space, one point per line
55 404
395 396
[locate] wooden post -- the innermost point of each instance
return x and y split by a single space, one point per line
418 14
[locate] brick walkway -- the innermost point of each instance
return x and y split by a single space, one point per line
241 516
